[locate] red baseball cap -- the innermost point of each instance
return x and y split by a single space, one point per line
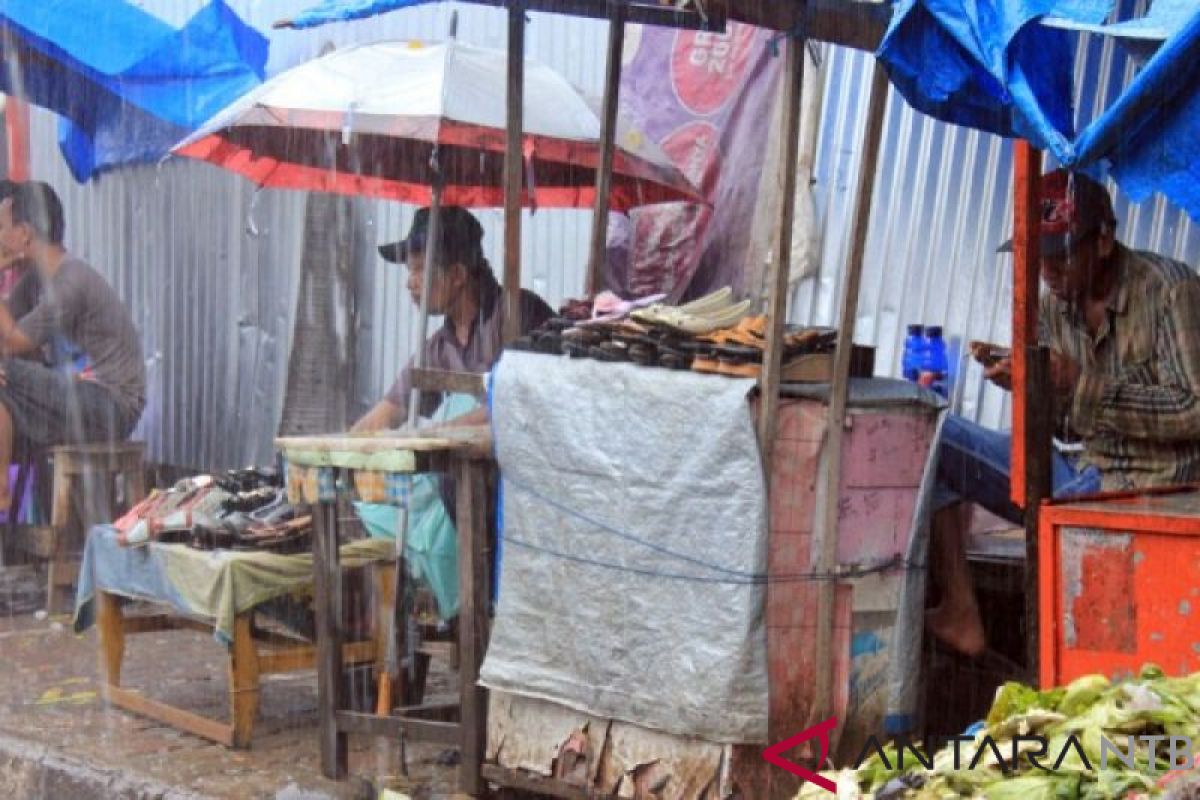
1073 206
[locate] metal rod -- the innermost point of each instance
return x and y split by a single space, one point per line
608 133
514 170
433 240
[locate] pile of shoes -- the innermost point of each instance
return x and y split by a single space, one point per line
712 334
237 510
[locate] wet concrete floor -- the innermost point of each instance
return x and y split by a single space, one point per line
58 739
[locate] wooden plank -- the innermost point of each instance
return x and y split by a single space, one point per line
1026 219
608 133
243 681
825 538
467 436
646 13
397 727
777 273
304 656
438 712
474 598
514 169
203 727
327 595
538 784
857 25
442 380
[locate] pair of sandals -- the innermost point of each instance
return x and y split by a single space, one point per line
738 351
701 316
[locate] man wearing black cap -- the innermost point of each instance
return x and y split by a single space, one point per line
1123 328
464 291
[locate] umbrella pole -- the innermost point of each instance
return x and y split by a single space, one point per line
513 166
608 128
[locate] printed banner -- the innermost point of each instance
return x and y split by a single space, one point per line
706 99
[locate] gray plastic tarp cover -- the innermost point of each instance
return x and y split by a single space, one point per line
634 541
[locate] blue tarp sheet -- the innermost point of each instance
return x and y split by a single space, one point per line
992 66
131 93
343 10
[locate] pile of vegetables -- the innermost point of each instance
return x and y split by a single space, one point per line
1070 722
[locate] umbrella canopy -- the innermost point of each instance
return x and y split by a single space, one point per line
390 119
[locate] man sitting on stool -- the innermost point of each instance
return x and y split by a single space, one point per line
1123 328
61 303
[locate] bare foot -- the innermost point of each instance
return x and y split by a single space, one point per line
962 630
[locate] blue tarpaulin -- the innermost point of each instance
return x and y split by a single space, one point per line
1149 139
993 66
343 10
127 84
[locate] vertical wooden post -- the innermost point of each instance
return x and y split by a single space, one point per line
1033 423
1026 171
474 594
243 680
514 169
825 536
327 591
1039 482
111 626
16 124
777 274
608 135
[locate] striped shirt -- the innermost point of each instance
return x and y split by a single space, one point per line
1137 403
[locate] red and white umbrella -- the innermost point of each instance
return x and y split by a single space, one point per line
393 119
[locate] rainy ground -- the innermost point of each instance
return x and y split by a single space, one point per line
57 739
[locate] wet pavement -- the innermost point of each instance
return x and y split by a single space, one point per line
57 738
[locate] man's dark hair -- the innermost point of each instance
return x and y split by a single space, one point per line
36 204
7 188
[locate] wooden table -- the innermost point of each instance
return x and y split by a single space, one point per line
252 654
343 461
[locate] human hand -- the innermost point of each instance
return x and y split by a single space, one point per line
1000 373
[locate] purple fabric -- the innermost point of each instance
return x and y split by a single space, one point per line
706 99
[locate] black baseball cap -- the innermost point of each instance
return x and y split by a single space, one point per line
1073 207
462 237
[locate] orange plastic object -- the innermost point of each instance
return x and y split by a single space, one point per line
1120 585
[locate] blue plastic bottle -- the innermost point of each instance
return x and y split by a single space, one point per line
935 364
914 353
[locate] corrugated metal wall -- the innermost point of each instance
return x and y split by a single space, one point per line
215 300
942 204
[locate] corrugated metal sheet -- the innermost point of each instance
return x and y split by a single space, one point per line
942 204
215 300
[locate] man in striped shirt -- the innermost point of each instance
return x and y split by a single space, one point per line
1123 328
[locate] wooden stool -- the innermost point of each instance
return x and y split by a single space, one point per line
92 484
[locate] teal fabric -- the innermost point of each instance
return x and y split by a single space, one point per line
431 543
